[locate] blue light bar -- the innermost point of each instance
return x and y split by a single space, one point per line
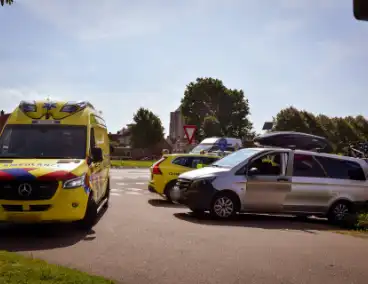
71 107
28 106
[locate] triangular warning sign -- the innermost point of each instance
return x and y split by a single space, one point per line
189 131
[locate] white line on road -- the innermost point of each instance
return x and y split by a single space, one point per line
117 177
141 183
115 194
121 183
134 189
133 193
115 190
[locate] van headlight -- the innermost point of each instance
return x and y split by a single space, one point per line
203 181
74 182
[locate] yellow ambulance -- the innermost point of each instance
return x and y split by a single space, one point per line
54 163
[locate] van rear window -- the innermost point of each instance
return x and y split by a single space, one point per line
342 169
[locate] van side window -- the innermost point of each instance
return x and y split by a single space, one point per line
342 169
268 165
307 166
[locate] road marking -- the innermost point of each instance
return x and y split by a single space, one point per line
135 189
141 183
115 194
133 193
121 183
115 190
117 178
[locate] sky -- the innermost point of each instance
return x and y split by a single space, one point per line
121 55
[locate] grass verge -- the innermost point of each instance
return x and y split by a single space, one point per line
132 163
17 269
360 229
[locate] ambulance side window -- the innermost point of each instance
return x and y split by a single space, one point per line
92 141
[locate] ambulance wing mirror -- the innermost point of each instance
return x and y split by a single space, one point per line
360 8
97 155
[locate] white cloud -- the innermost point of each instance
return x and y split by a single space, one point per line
96 20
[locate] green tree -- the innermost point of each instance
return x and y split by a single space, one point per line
147 129
211 127
290 119
208 97
345 133
313 125
9 2
360 124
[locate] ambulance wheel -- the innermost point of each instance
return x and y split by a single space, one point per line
90 217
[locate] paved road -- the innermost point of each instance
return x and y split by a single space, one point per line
143 240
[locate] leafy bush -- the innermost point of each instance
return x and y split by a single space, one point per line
363 221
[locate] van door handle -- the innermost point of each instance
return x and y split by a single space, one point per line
282 179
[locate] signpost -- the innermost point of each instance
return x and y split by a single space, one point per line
189 131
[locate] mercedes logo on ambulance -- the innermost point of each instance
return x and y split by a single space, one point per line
25 190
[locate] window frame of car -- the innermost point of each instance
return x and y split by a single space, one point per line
191 159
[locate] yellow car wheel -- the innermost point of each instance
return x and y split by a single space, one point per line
168 189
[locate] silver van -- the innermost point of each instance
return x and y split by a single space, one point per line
277 180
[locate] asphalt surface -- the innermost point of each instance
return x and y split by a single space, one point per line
143 240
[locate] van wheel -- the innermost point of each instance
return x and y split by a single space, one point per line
224 206
107 195
340 212
168 189
90 217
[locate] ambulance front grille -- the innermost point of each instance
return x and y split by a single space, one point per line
27 190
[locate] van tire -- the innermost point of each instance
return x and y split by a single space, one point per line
107 195
229 201
168 188
340 213
91 215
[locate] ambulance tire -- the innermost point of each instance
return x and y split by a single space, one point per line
91 215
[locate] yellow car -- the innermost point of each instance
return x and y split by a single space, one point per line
54 164
165 171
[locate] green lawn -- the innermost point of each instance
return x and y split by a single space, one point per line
132 163
17 269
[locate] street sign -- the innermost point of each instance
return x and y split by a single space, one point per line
222 143
189 131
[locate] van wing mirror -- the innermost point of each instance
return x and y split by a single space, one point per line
253 171
97 155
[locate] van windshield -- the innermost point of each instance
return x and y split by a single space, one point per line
43 141
209 148
236 158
